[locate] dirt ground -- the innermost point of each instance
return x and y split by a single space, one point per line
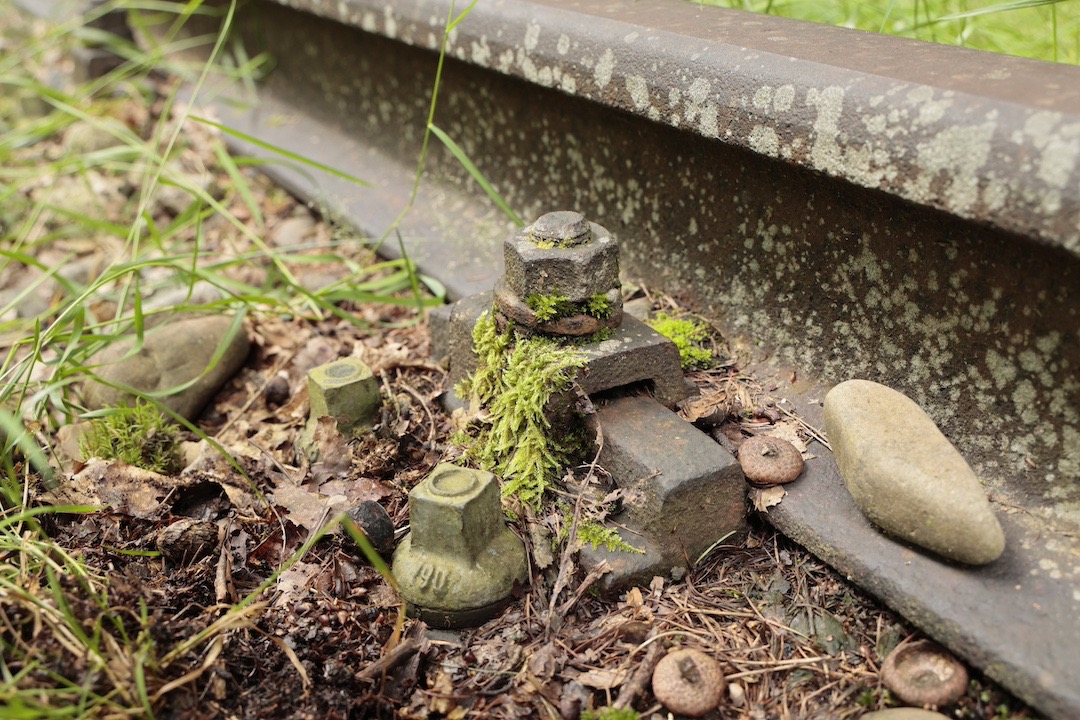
326 639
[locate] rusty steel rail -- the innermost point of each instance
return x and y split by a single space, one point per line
841 204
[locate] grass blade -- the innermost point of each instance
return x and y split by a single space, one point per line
282 151
478 176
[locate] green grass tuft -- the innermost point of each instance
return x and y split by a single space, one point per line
138 436
1039 29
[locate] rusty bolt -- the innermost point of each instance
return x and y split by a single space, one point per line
561 253
344 389
562 228
458 564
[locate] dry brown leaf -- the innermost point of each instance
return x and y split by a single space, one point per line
293 583
442 694
333 452
603 678
788 430
710 409
129 490
765 498
307 509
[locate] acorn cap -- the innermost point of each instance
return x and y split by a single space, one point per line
924 674
769 461
688 682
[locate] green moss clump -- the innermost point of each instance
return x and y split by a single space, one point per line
514 381
687 336
138 436
598 306
556 305
610 713
549 307
594 534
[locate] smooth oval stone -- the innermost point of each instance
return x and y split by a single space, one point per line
906 477
904 713
172 354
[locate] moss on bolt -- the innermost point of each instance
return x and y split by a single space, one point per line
514 381
556 305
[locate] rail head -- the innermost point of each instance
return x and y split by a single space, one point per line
988 138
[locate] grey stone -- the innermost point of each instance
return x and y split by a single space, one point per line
291 231
200 293
639 308
577 272
459 563
684 492
633 354
88 193
906 477
171 355
439 330
83 136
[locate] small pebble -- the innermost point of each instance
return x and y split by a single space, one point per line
372 518
277 392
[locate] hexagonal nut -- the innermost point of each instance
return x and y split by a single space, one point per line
578 271
345 389
455 512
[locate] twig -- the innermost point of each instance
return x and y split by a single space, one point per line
565 563
813 431
636 684
395 657
777 665
427 409
595 574
257 394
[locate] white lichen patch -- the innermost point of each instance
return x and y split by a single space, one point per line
639 91
604 68
763 139
957 154
481 52
532 37
825 152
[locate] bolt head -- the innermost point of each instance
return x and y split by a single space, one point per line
345 388
455 512
578 271
563 228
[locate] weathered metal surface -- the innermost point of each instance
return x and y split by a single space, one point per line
984 137
683 492
852 205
